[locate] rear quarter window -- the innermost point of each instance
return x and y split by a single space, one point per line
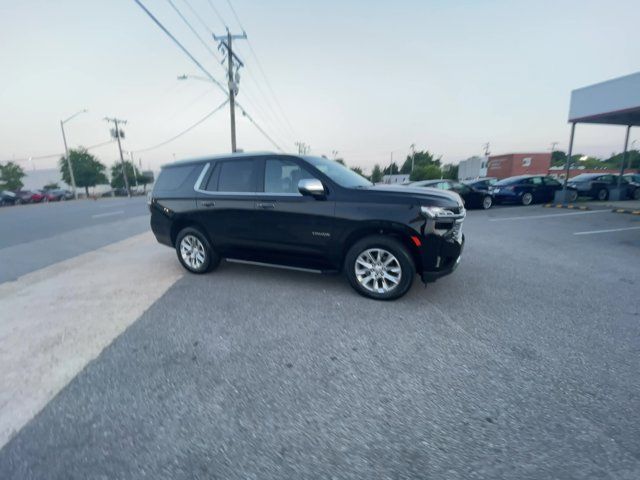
174 178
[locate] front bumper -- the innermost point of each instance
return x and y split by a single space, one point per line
442 246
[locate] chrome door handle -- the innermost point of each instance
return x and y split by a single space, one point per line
266 205
208 203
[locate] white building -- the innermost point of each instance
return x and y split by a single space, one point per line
396 179
471 168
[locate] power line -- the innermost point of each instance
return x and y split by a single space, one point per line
193 30
54 155
264 75
180 46
188 129
244 112
215 10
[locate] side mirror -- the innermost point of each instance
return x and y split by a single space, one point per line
312 187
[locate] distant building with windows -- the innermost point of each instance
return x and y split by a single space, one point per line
472 168
512 164
399 178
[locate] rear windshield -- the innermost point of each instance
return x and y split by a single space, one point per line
172 178
510 181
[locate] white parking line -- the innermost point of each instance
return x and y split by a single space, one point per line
108 214
607 231
547 216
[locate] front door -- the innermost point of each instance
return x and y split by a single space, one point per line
291 228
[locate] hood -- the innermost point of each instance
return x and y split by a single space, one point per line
434 196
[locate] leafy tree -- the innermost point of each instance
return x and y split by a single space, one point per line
376 174
340 161
130 170
51 186
421 158
87 169
425 172
11 175
558 158
450 172
391 169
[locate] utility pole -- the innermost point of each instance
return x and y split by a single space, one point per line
135 175
413 156
553 147
116 132
233 79
486 149
66 151
303 149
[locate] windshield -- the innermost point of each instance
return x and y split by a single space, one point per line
583 177
339 173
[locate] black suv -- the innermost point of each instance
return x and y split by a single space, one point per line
306 213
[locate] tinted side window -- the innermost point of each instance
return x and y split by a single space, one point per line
536 181
551 181
237 176
172 178
282 176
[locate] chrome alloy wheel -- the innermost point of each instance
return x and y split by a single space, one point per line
192 252
378 270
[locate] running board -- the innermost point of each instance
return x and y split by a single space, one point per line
276 265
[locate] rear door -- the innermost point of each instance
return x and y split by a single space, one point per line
289 227
538 189
225 202
551 187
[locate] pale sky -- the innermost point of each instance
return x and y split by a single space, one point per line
361 77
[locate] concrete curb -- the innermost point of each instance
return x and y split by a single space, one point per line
570 206
626 210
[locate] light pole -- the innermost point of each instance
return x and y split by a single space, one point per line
66 151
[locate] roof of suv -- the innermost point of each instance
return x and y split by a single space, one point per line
216 157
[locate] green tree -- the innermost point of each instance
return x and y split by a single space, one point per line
340 161
450 171
425 172
88 171
11 175
419 159
376 174
51 186
558 158
130 170
391 169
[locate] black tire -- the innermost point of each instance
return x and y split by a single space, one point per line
603 194
527 198
390 245
487 202
211 258
573 195
636 194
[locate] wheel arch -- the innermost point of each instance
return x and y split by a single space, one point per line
183 223
395 231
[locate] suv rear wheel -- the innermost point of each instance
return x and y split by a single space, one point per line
195 252
379 267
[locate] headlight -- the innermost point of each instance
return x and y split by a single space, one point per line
436 212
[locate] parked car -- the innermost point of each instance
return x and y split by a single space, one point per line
598 186
471 196
481 183
56 195
7 198
306 213
633 179
528 189
27 196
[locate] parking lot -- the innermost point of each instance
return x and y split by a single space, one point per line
522 364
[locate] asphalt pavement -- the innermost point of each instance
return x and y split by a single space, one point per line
37 235
523 364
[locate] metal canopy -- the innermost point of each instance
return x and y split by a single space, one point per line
614 102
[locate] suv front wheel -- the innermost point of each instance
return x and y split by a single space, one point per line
379 267
195 252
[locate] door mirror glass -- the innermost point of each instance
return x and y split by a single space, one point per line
311 186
